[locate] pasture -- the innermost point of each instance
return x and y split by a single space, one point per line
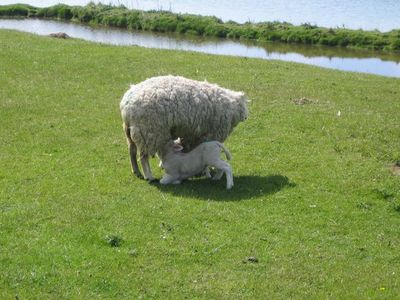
314 213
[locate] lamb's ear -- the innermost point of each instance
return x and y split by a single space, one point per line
177 148
178 141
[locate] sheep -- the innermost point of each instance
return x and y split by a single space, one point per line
179 166
164 108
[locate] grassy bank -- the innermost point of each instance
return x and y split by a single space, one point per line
314 198
164 21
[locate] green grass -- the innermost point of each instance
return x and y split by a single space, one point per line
165 21
314 200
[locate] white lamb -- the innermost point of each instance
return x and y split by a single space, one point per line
161 109
179 166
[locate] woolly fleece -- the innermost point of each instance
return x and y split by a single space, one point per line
164 108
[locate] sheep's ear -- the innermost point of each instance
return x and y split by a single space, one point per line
177 148
242 97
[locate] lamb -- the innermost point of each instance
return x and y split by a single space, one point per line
179 166
161 109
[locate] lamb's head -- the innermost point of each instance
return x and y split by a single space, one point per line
171 147
179 142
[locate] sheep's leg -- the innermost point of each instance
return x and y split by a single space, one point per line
135 167
225 167
160 164
144 159
132 152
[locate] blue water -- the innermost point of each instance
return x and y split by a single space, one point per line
383 15
329 57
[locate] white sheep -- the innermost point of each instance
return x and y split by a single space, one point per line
164 108
179 166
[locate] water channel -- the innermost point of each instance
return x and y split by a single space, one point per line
341 59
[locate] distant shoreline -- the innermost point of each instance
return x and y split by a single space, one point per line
190 24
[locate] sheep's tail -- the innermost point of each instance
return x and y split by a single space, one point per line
226 151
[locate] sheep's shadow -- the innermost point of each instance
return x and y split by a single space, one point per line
246 187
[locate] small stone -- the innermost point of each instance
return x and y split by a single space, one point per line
250 259
133 252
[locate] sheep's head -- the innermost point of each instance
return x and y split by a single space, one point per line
241 108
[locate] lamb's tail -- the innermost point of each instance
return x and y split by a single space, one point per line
226 151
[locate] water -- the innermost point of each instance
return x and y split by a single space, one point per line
365 14
341 59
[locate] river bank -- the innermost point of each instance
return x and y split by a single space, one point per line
380 63
189 24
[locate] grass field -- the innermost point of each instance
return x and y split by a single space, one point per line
314 213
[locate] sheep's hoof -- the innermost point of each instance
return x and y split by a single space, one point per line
138 175
153 180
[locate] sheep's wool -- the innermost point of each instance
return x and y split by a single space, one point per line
167 107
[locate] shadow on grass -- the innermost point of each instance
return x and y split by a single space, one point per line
246 187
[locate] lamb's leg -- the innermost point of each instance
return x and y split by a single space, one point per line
144 159
225 167
207 172
167 179
229 178
218 175
132 152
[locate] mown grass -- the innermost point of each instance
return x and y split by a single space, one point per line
314 199
164 21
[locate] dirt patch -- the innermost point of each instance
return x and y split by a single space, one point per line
304 100
59 35
395 168
250 260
